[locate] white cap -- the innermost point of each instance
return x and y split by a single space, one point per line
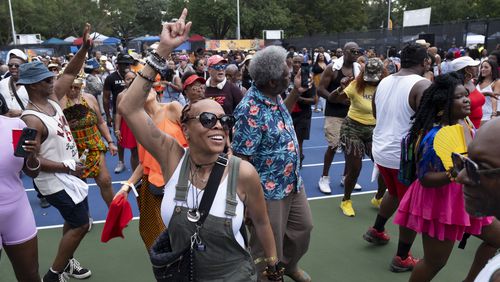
18 53
462 62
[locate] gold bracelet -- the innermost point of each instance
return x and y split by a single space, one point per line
266 260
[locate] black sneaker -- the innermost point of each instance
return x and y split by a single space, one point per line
55 277
44 203
74 269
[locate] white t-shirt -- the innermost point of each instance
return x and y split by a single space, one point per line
9 97
491 267
393 118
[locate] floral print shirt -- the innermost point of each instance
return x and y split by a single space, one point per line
264 132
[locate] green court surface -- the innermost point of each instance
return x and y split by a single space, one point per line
337 251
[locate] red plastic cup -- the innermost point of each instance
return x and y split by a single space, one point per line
16 135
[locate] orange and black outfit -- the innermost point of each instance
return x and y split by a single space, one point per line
87 136
150 221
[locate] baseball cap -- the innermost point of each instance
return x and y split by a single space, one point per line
462 62
192 79
91 64
423 43
215 59
373 70
17 53
124 59
34 72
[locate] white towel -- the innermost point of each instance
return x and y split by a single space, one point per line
337 65
74 186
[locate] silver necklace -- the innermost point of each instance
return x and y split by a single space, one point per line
193 214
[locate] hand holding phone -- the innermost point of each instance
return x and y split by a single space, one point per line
305 75
23 148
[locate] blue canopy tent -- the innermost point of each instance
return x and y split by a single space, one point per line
55 41
138 43
147 39
184 46
111 41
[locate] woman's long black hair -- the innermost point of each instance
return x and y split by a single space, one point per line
436 103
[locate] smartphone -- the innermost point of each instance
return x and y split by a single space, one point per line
304 74
27 134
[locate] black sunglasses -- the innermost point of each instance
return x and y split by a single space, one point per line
355 52
13 66
208 120
461 162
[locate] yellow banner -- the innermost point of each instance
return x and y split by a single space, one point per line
225 45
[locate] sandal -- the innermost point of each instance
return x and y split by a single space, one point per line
299 276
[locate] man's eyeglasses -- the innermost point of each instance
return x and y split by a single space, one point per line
355 52
197 87
208 120
218 67
13 66
473 172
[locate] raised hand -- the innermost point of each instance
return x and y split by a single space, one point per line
87 42
174 34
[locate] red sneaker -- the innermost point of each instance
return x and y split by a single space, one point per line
375 237
400 265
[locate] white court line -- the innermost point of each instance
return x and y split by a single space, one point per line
309 199
318 117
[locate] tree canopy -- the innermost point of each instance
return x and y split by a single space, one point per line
216 19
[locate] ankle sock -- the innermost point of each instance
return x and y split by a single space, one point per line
403 250
380 223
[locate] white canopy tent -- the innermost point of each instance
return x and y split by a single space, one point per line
70 39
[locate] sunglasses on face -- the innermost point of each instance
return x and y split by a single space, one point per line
219 67
208 120
355 52
13 66
461 162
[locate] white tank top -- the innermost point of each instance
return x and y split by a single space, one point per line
393 118
58 147
487 107
218 207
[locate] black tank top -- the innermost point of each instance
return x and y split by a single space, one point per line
336 109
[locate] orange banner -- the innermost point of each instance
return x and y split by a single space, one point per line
225 45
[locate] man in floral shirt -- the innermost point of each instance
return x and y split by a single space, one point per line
264 135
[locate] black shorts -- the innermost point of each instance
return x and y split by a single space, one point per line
302 128
75 215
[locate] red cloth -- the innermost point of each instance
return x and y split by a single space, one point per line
128 138
119 215
477 101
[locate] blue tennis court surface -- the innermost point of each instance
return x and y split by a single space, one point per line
311 172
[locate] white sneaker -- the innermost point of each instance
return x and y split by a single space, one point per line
324 184
119 167
357 187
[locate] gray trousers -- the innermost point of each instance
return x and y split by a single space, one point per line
291 221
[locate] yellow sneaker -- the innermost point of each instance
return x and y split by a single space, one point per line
376 202
346 207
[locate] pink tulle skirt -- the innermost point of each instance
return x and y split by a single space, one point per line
438 212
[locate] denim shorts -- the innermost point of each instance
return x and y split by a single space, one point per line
75 215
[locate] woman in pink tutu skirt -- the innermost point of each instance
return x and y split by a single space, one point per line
434 203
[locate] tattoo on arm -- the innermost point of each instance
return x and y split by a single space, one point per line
146 88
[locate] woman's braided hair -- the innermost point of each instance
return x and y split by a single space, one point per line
186 110
436 103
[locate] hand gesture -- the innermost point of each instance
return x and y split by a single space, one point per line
31 147
118 135
344 82
87 42
173 35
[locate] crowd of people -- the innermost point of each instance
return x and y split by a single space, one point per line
186 117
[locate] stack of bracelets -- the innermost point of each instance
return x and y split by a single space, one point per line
156 62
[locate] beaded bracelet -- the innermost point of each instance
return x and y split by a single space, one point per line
141 74
158 57
131 185
156 64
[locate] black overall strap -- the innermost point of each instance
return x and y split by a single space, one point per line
13 88
211 188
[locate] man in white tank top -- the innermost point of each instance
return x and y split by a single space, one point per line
395 101
58 155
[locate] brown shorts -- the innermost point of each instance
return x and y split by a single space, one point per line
332 130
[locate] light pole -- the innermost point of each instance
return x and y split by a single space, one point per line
238 36
12 23
389 16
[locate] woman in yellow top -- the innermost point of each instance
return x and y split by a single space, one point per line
357 130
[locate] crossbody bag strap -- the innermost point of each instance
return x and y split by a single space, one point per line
211 188
181 188
13 88
232 182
